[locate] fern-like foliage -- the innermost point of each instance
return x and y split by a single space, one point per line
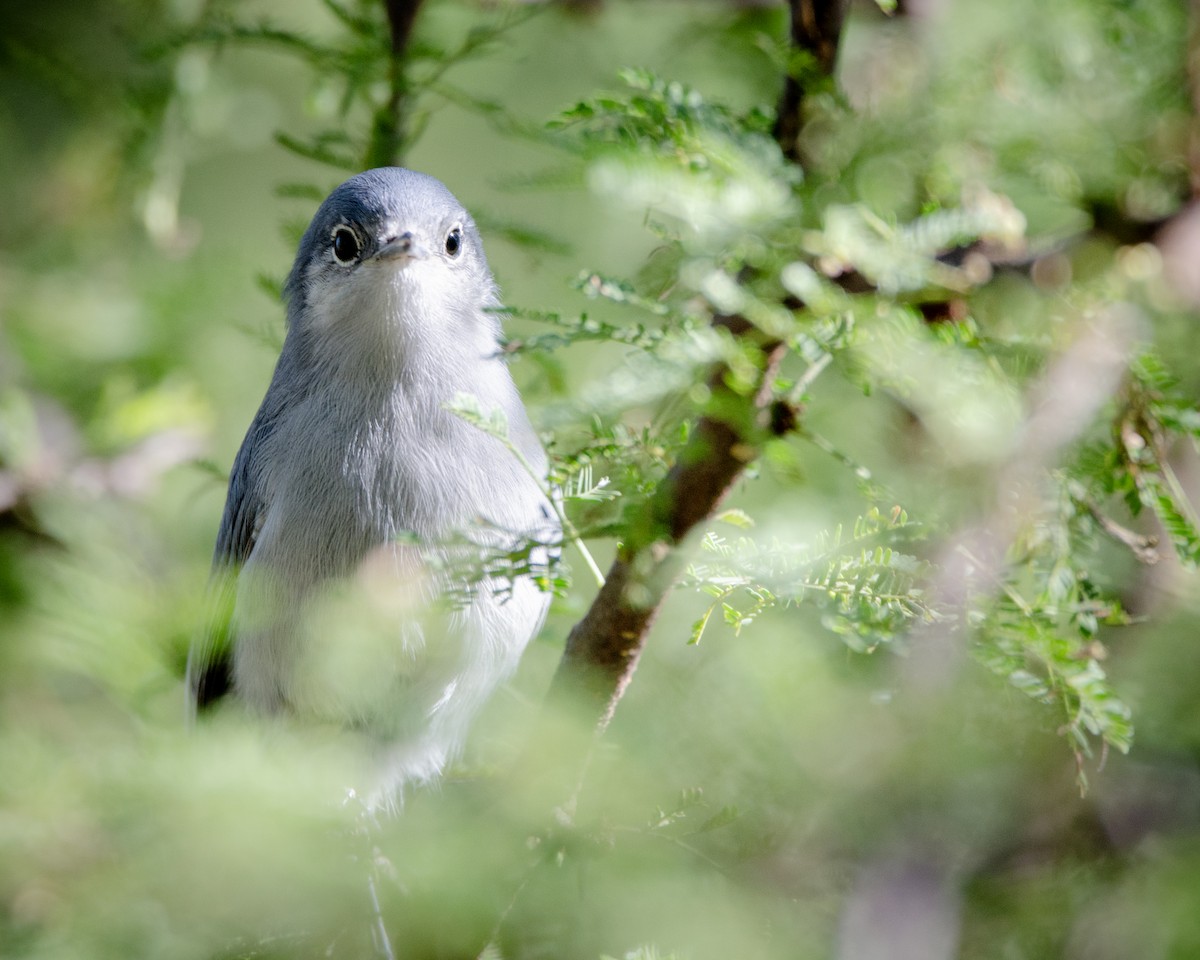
1155 415
868 591
847 289
1043 630
674 121
382 98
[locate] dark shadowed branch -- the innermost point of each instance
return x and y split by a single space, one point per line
402 15
816 29
389 128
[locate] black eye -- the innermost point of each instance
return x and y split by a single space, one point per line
454 242
346 247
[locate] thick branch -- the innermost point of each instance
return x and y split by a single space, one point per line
604 647
816 29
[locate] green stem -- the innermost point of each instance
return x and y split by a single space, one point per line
556 505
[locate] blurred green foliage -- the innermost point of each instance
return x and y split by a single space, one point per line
978 198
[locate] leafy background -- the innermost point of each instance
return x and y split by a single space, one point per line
803 781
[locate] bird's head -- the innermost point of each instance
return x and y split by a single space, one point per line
392 256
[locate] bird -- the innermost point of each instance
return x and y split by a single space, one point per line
358 492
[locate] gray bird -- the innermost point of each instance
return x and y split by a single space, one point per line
354 476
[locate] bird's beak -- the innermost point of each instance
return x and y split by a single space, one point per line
403 247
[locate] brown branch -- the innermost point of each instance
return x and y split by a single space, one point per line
603 649
389 133
816 29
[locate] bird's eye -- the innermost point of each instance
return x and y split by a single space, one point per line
346 247
454 242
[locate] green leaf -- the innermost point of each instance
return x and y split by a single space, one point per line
468 407
723 817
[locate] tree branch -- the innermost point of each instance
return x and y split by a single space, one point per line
402 15
389 133
816 30
603 649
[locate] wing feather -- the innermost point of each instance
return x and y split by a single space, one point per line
210 665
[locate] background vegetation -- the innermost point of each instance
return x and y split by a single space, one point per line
926 688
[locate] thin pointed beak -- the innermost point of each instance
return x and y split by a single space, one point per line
403 247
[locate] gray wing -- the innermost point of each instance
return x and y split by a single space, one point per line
210 662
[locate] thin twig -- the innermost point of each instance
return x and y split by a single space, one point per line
1144 547
389 128
805 380
402 16
383 943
